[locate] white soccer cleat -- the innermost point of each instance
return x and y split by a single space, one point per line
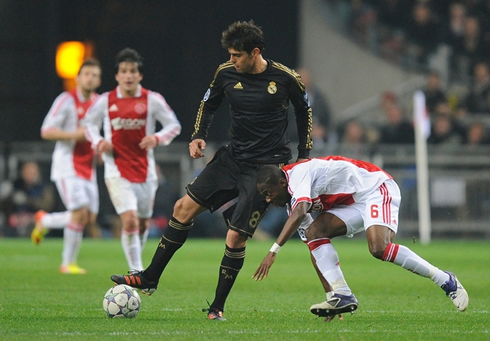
456 292
337 304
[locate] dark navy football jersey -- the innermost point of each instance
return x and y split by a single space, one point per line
259 110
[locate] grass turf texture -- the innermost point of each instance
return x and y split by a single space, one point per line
39 303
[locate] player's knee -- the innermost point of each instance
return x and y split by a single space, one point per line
235 239
179 210
81 216
310 234
377 250
184 210
130 221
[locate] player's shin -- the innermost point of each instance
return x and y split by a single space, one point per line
172 239
407 259
327 261
131 245
231 265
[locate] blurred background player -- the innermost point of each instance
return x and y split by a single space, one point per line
129 114
73 166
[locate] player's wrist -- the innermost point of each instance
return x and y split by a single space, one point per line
275 248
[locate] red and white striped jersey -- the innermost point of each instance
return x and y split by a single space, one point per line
125 122
70 157
331 181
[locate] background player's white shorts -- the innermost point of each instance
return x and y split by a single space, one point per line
76 193
378 207
129 196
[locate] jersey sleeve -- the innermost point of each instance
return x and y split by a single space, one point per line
62 106
300 185
304 118
164 114
209 104
92 121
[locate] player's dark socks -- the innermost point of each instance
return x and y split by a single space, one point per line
172 239
231 265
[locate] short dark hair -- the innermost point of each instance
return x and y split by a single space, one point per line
270 175
90 62
131 56
243 36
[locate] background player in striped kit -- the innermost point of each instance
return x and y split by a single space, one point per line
352 196
129 114
73 166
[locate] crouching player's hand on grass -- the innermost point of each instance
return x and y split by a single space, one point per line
263 270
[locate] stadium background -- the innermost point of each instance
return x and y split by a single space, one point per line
180 44
179 41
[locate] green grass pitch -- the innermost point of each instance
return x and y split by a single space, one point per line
38 303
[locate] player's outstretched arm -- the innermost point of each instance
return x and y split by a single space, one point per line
263 270
294 221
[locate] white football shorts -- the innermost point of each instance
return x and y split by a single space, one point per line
129 196
76 193
378 207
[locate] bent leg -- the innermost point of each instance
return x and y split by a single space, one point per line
231 264
380 242
326 286
318 235
340 299
381 236
174 236
56 220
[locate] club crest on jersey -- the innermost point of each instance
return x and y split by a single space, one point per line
119 123
272 88
140 108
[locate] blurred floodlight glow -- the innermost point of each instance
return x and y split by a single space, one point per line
69 58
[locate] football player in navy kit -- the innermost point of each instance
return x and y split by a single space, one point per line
259 92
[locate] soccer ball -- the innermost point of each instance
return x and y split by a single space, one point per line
121 301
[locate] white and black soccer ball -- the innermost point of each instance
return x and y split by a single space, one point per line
121 301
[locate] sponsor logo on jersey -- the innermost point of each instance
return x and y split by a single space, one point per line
127 123
206 95
238 86
113 108
272 88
